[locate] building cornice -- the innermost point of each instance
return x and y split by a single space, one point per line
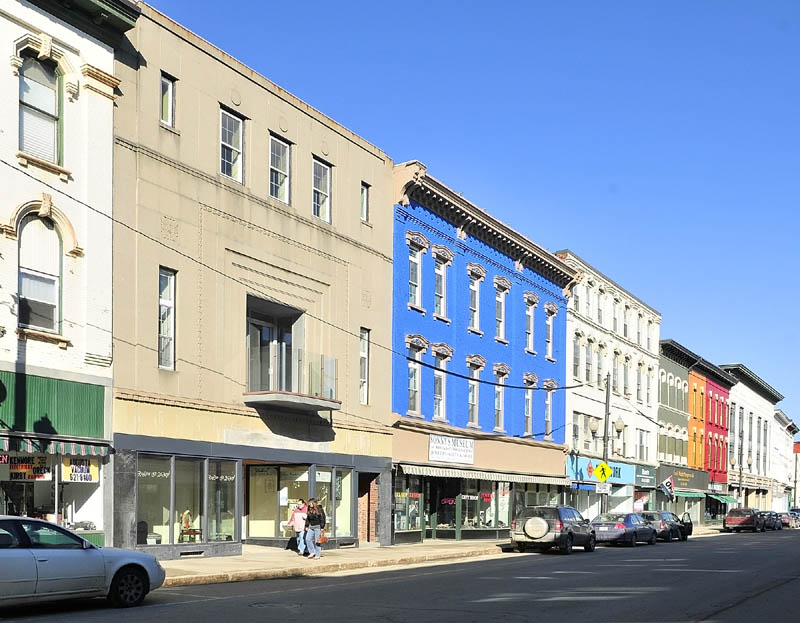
713 373
106 20
747 377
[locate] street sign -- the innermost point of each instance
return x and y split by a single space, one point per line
602 472
602 487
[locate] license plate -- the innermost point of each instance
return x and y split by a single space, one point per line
603 528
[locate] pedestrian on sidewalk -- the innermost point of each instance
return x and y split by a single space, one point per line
298 523
315 523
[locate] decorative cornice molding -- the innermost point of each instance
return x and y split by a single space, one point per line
442 350
550 308
476 270
531 298
99 81
530 378
476 361
45 208
418 240
501 283
550 384
501 369
443 253
417 342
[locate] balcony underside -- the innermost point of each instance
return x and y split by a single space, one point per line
290 401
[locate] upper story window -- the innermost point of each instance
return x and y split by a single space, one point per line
166 318
600 301
639 329
167 100
599 367
476 275
414 276
625 314
588 363
501 286
414 374
40 109
279 173
616 315
551 309
442 257
440 388
639 383
588 302
365 202
576 299
576 356
531 301
231 145
500 373
530 382
39 279
475 363
363 368
649 334
321 190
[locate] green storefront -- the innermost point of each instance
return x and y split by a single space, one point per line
53 451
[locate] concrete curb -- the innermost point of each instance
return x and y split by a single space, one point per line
319 568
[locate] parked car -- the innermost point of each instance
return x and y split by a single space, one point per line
668 525
785 519
739 519
41 561
629 528
543 527
795 519
771 520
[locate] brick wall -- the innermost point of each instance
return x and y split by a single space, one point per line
367 507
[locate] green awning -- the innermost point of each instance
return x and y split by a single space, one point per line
725 499
688 494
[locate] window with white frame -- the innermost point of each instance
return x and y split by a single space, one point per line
576 299
167 100
414 276
588 302
414 380
279 174
231 145
648 390
40 107
551 309
499 401
616 315
166 318
473 390
39 277
548 409
363 368
649 334
588 437
642 448
576 357
500 313
626 378
474 302
529 411
439 388
321 191
639 383
365 202
529 318
615 374
625 314
599 367
440 288
639 329
600 301
588 371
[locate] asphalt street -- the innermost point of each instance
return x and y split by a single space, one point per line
731 577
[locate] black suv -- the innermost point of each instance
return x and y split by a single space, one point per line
543 527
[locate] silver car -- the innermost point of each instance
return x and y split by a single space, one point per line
42 561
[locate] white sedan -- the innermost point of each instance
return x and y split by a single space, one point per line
42 561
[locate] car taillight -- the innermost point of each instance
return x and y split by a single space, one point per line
619 526
663 526
559 526
514 525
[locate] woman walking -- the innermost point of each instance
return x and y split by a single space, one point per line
298 523
315 523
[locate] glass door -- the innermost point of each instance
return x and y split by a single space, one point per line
261 355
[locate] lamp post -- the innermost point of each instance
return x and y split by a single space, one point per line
604 502
733 466
741 462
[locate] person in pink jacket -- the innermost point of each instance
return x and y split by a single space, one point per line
298 523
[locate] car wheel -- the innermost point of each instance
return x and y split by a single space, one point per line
520 547
633 540
567 547
590 544
684 536
652 540
128 588
668 538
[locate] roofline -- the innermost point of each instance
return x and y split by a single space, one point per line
719 376
681 349
413 177
746 376
607 278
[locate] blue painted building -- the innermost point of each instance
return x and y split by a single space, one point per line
480 312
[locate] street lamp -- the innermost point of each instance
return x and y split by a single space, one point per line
741 463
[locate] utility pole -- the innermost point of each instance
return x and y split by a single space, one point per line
741 461
604 501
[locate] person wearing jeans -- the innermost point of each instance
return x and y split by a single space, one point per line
298 523
315 522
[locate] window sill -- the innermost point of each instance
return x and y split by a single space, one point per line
501 340
165 369
475 331
43 336
440 420
417 308
25 159
414 414
473 425
366 223
531 352
549 358
499 431
444 319
169 128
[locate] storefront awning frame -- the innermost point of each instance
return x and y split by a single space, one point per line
452 472
47 445
689 494
725 499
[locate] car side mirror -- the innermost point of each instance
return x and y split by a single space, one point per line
87 545
586 521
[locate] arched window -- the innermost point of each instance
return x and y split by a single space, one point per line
39 109
39 274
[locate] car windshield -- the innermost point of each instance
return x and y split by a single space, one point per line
609 518
651 516
739 512
540 511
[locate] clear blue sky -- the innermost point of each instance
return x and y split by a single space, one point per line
658 140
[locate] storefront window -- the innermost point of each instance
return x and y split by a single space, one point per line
262 496
221 500
26 485
324 492
478 504
503 504
446 491
81 496
153 482
344 502
407 495
294 486
188 517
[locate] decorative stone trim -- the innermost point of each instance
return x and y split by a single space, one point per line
442 350
441 252
531 298
417 342
501 283
550 308
476 270
24 160
45 208
501 369
16 64
530 378
43 336
550 384
417 240
99 81
476 361
42 46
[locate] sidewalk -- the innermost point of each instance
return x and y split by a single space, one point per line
264 563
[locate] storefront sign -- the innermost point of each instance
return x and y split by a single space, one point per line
645 476
26 468
451 449
582 469
683 477
80 470
715 486
4 459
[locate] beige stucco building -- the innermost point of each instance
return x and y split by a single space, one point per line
252 264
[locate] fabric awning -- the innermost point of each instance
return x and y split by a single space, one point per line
688 494
725 499
448 472
49 446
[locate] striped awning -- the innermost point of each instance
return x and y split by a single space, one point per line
50 446
689 494
724 498
448 472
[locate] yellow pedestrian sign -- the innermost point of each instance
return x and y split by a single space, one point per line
602 472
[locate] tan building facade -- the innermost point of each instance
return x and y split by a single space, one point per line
252 263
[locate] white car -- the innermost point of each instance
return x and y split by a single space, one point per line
42 561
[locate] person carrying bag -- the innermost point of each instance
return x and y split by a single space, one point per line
315 524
